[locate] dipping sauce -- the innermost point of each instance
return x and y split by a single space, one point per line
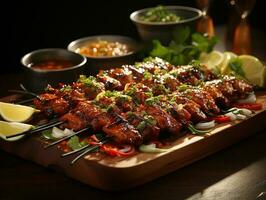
52 65
103 48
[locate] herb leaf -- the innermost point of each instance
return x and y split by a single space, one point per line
181 35
74 143
184 47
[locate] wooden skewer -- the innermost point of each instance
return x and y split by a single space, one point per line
89 149
38 129
64 138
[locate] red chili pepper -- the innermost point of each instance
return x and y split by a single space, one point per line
118 150
250 106
222 119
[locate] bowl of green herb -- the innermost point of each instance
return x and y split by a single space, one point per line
160 22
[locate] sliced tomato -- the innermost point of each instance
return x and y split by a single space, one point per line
118 150
250 106
222 119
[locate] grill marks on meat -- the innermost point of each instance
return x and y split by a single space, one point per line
122 132
51 104
204 99
192 107
164 120
86 114
148 131
81 116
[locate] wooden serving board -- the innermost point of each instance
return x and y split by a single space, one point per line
117 173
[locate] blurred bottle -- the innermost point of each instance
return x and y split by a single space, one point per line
242 38
205 24
238 30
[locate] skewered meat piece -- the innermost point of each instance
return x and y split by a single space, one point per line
231 87
122 132
171 82
179 113
123 75
164 120
192 107
89 86
139 92
81 116
145 124
136 73
217 95
109 82
204 99
51 104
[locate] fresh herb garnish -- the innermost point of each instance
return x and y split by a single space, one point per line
131 91
148 120
90 82
66 88
184 47
153 100
147 75
182 87
75 144
141 126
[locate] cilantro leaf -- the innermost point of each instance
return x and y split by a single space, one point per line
181 35
184 47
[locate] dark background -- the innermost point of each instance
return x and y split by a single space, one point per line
31 25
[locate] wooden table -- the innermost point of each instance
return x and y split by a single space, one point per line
237 172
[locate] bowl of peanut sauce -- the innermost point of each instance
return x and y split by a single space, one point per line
105 51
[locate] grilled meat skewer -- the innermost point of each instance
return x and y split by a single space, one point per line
122 113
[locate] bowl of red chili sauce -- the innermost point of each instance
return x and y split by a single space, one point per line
51 66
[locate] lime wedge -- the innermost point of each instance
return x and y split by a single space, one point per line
212 60
13 128
224 67
254 69
16 113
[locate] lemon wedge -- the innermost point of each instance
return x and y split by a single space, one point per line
254 69
212 60
16 113
13 128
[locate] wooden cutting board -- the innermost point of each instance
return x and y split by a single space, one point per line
116 173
